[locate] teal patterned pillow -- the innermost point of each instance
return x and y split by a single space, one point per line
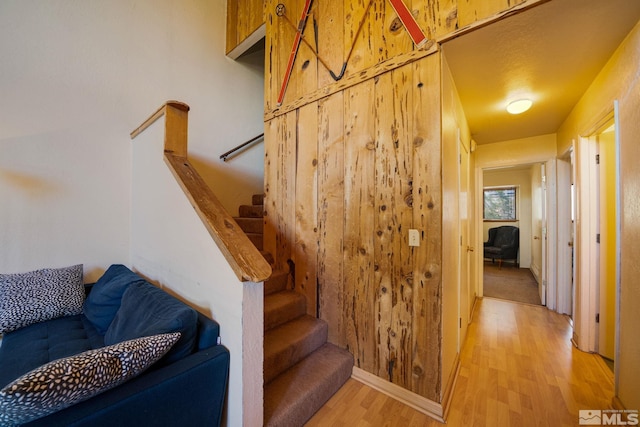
36 296
64 382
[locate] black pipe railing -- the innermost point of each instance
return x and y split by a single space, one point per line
240 147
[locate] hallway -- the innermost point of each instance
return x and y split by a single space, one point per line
517 368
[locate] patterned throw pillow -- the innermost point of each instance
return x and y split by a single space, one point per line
36 296
64 382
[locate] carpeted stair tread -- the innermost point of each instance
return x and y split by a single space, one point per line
267 255
257 199
250 225
289 343
293 397
251 211
256 239
277 282
301 370
282 307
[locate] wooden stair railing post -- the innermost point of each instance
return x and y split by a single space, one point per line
175 129
244 258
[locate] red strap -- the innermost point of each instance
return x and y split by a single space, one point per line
294 50
409 22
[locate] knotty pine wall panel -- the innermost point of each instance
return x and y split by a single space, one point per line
360 33
331 207
473 11
272 200
280 190
361 170
305 253
427 218
359 188
393 256
332 44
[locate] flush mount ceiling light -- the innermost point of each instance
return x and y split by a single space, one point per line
519 106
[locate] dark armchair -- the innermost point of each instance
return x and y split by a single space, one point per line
503 244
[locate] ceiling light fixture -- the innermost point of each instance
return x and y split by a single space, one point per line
519 106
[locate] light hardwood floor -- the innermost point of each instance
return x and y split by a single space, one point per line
517 368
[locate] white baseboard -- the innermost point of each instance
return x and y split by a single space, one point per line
535 270
417 402
451 385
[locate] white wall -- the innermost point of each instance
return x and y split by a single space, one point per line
76 78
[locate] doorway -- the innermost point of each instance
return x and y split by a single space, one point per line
565 231
598 237
607 206
464 223
511 279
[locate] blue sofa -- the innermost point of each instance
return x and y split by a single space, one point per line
185 388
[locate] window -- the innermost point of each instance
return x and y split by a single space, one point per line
500 204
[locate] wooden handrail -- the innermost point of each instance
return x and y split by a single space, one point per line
243 257
176 105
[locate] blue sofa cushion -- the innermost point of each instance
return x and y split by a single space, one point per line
147 310
40 295
103 301
40 343
64 382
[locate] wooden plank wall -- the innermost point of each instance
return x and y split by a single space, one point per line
366 169
349 170
243 18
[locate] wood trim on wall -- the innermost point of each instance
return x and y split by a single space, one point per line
417 402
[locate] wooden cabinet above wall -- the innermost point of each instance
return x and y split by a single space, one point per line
245 25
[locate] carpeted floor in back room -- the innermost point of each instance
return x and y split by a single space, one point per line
510 283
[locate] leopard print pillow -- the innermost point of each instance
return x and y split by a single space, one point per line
65 382
36 296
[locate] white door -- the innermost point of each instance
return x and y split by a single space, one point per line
607 240
465 244
536 221
542 284
564 301
550 235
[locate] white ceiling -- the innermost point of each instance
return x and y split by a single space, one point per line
550 53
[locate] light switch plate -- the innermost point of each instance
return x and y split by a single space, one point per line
414 237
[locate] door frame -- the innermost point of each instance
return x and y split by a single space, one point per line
586 249
565 231
478 240
550 235
464 227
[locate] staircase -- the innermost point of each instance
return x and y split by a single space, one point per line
301 369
